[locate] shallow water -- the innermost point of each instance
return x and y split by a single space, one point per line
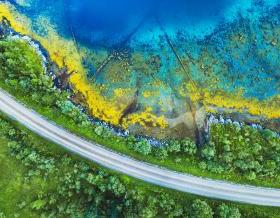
151 49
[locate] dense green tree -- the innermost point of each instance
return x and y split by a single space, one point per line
252 152
200 209
225 211
22 66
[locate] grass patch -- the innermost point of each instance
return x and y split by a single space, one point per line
16 194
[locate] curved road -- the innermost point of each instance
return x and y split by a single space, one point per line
144 171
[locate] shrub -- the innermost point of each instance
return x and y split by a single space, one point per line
161 153
143 147
253 153
208 152
99 130
174 146
2 215
189 147
251 175
224 211
20 62
200 209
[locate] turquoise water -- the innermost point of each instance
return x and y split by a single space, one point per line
201 32
111 21
114 22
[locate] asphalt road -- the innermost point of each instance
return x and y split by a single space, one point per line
144 171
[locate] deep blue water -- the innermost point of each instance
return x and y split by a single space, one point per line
110 22
113 22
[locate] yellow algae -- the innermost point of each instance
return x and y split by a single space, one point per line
260 108
64 53
97 104
147 94
18 22
269 108
150 93
121 92
145 119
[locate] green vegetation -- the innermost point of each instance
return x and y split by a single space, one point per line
200 209
12 187
225 211
22 66
43 180
243 155
248 151
22 72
